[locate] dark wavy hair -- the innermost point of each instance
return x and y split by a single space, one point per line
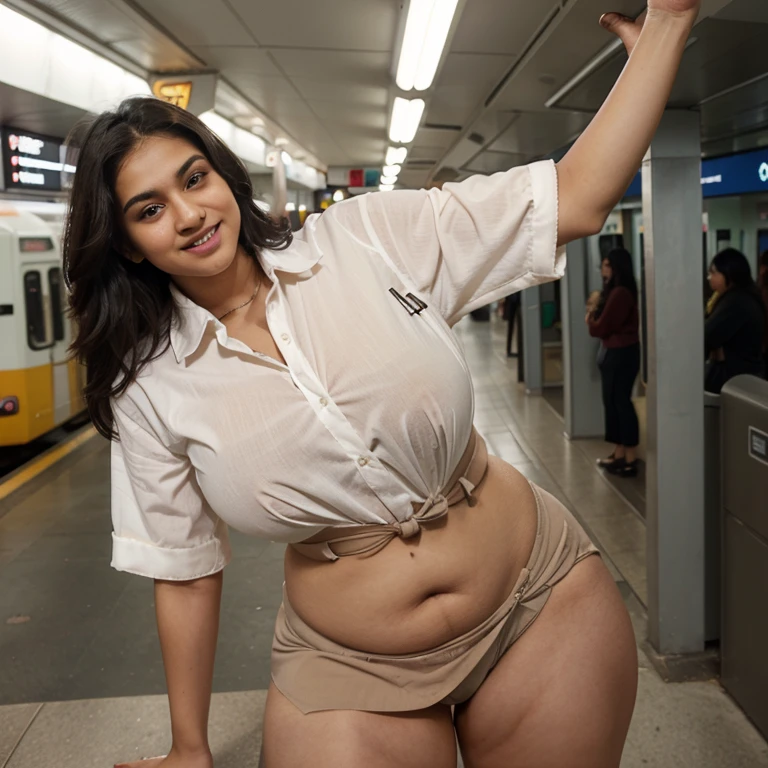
734 267
623 276
123 311
763 281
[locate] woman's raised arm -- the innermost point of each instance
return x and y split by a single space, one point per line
599 167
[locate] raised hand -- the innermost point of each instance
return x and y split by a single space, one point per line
628 30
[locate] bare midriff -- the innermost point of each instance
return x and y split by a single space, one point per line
418 593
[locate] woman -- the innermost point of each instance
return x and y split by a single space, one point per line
615 322
763 284
310 391
735 331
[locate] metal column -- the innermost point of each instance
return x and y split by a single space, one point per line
530 310
672 212
583 395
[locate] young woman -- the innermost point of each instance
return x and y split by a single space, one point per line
735 331
615 321
310 391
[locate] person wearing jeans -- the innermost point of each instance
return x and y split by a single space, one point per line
615 322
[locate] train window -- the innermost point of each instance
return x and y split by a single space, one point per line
57 302
35 244
33 296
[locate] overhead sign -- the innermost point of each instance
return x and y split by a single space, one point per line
32 161
174 93
741 174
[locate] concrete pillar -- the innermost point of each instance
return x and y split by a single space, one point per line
530 311
672 213
583 395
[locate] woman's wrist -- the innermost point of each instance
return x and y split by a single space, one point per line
681 19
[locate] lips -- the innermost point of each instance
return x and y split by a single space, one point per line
202 239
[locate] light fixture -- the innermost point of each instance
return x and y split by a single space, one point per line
426 31
338 196
406 116
396 155
290 207
391 170
302 209
281 141
386 187
287 160
388 180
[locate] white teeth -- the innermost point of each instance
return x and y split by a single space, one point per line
204 239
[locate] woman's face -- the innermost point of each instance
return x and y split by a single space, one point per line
717 280
170 200
606 271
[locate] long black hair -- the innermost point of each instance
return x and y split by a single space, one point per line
123 311
734 267
623 276
763 279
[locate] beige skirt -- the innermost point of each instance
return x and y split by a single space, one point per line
317 674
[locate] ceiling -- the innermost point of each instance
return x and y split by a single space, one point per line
322 73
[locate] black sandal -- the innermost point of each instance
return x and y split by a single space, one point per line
627 469
611 461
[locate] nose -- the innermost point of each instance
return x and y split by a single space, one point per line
189 218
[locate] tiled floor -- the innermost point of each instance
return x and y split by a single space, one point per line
81 676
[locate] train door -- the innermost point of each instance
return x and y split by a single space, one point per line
38 261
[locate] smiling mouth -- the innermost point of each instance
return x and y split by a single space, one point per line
204 239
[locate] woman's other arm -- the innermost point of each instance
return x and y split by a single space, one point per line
599 167
188 625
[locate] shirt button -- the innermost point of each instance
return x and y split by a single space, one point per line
286 338
363 461
324 401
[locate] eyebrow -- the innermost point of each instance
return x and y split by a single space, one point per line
150 193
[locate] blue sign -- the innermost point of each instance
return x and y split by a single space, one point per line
740 174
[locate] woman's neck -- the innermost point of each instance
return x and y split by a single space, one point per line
220 293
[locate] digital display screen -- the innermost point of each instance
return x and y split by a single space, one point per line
35 244
758 445
721 176
32 161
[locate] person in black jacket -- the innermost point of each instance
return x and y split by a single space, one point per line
734 332
762 282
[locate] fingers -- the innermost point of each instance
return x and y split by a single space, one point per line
628 30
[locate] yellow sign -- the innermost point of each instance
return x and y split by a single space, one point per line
175 93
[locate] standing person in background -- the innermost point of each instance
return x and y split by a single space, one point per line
615 322
736 329
762 282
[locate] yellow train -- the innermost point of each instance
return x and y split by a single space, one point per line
39 387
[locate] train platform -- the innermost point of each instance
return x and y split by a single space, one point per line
81 677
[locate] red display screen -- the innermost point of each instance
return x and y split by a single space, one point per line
35 244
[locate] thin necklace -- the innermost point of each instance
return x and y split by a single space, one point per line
244 304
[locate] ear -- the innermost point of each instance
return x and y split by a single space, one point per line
127 252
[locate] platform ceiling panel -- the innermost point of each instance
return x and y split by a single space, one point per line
120 27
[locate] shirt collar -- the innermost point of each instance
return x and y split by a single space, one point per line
191 321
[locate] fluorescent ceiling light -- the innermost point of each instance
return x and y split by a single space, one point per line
406 116
387 180
396 155
386 187
426 31
392 170
290 207
338 196
286 158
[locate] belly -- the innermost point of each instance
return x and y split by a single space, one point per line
419 593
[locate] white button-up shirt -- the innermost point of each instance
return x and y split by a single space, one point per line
374 407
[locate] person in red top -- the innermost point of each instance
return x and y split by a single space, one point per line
615 322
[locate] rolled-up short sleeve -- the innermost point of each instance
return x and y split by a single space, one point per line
163 526
471 243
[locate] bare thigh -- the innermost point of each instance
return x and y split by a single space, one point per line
563 695
350 739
